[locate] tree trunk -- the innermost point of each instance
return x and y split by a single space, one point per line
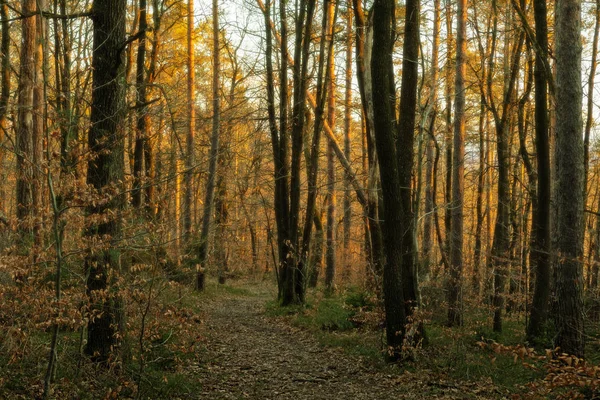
385 129
347 121
427 248
214 150
458 168
540 251
191 128
105 141
29 126
4 85
570 180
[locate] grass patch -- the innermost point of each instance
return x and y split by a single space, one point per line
334 322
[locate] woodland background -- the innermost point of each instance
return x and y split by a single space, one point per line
439 158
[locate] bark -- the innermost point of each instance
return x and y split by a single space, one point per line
330 253
500 253
29 126
142 120
4 83
448 138
427 247
364 39
540 250
316 257
105 169
393 230
191 128
570 180
202 251
458 168
347 207
405 157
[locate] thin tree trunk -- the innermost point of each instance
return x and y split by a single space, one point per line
540 251
427 248
330 253
4 85
141 128
214 151
458 167
347 120
191 128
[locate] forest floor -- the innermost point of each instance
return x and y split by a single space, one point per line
251 354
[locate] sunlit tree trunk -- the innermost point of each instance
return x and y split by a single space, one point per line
330 254
29 126
427 248
4 85
191 128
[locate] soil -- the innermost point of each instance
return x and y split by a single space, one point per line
249 355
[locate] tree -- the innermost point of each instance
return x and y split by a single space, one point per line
29 124
540 251
214 151
458 168
105 174
570 180
405 139
347 147
331 195
384 117
191 126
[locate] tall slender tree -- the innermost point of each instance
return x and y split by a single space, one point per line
540 252
458 168
191 127
214 150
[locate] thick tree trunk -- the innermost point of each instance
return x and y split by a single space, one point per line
385 128
29 126
570 180
105 141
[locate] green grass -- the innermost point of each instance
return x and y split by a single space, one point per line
330 320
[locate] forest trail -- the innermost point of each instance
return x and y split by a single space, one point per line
254 356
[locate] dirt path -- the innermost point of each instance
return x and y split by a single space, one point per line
249 355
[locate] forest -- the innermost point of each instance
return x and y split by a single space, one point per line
299 199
